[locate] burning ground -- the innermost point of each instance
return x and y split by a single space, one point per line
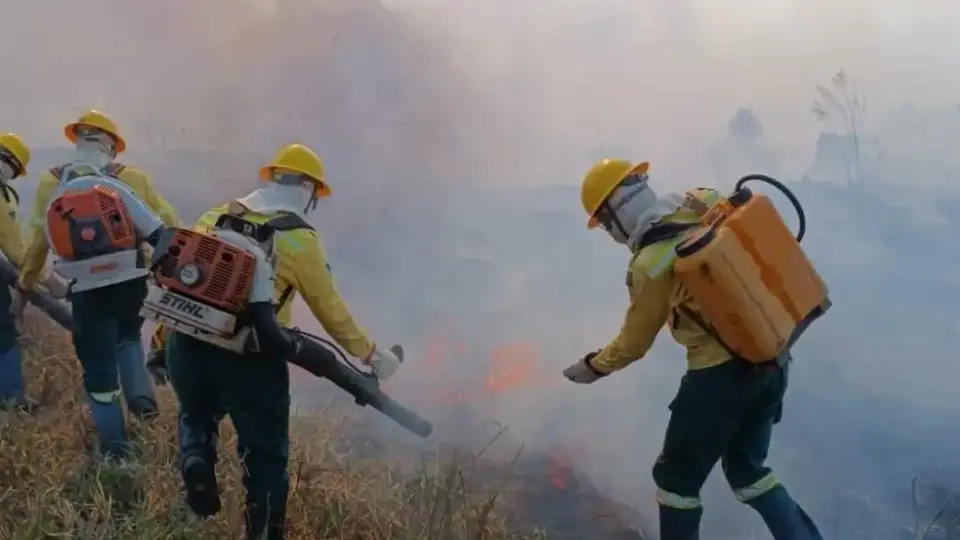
535 488
347 480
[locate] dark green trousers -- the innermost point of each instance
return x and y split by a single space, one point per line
255 392
726 413
103 320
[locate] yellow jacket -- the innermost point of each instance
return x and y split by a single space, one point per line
10 238
655 294
35 256
303 268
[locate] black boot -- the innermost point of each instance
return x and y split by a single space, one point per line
200 481
266 514
784 517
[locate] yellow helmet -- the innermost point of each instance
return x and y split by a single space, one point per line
602 179
13 144
96 119
300 159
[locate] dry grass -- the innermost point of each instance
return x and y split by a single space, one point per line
51 488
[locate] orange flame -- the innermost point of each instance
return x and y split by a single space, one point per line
558 468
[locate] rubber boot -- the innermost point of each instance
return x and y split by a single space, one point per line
198 449
784 517
135 380
108 418
200 482
680 524
12 387
265 514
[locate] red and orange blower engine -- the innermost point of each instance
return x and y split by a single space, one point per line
218 288
94 227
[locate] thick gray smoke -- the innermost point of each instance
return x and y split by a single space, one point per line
455 135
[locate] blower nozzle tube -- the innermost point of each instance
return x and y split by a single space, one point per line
319 357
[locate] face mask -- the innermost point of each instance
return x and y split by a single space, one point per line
95 149
627 208
7 172
301 187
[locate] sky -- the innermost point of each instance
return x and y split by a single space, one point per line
455 136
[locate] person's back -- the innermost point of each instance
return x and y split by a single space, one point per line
252 387
105 265
725 407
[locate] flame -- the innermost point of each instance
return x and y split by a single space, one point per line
510 367
558 467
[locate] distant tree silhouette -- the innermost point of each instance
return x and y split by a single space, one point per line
842 109
745 125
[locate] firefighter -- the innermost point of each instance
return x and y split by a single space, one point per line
725 408
98 142
255 392
14 159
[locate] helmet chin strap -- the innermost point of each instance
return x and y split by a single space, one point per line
311 204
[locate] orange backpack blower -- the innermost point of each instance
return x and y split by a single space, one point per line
749 275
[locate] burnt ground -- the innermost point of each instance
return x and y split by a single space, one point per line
535 489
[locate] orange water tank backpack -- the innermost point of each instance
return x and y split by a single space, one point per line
747 272
95 225
205 282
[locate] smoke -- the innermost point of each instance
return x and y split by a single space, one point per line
455 135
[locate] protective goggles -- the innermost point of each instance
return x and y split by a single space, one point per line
89 133
318 188
606 215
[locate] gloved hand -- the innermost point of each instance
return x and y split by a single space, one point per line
582 372
157 366
18 303
385 363
58 288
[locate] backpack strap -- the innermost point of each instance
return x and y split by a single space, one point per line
289 222
661 232
114 168
704 325
8 191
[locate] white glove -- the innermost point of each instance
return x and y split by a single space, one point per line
582 372
385 363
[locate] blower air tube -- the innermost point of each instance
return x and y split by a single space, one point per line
320 357
312 353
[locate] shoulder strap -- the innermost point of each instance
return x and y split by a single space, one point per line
289 222
284 296
706 327
664 231
8 191
114 168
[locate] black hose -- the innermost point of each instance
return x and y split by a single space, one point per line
802 229
58 311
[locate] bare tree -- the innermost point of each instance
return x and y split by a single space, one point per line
842 108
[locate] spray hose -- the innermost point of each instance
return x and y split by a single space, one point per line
801 215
